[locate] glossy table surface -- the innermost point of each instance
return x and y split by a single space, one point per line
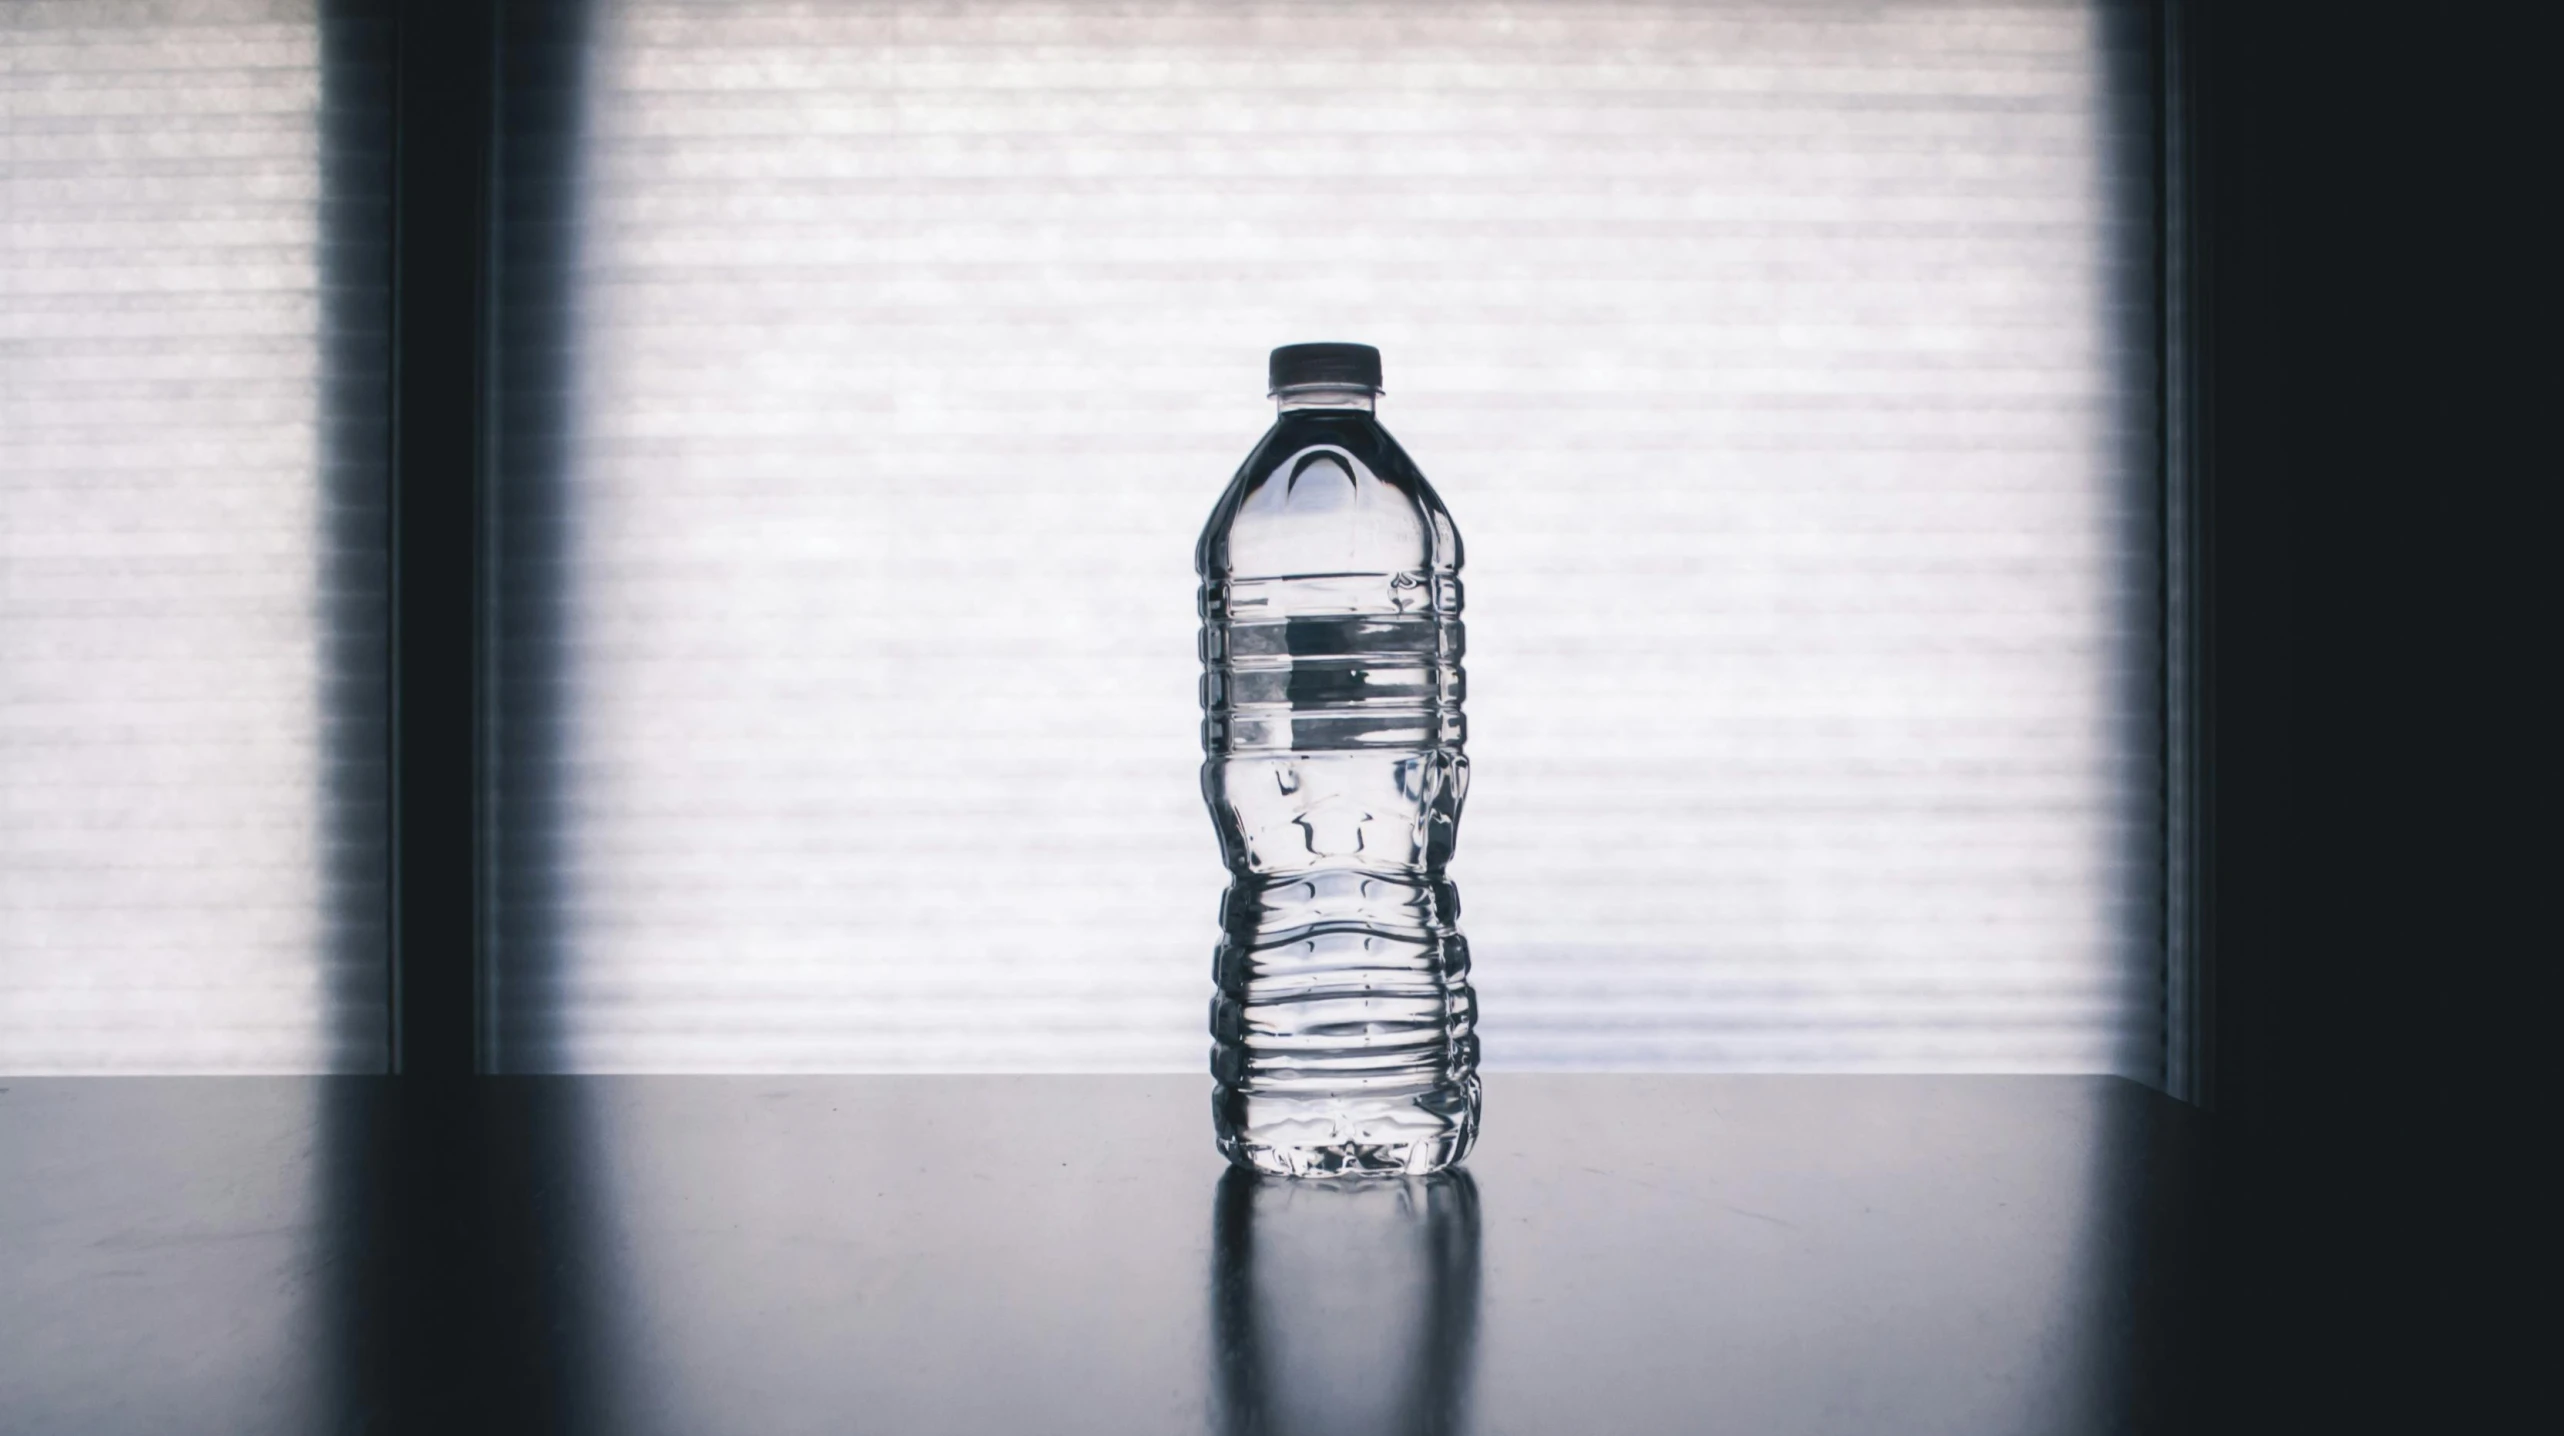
1065 1254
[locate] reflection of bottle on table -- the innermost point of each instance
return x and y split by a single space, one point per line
1345 1308
1344 1028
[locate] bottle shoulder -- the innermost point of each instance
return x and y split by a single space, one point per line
1327 492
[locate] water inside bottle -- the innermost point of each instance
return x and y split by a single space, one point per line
1344 1026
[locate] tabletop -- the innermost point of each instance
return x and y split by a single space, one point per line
1066 1254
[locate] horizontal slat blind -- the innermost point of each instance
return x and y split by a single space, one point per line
1789 369
191 577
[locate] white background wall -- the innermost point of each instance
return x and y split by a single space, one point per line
1789 370
191 565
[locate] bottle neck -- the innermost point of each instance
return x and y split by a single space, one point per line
1325 396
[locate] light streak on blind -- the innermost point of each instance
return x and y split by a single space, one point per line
191 507
1789 369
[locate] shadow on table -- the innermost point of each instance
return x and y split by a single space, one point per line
460 1261
1344 1308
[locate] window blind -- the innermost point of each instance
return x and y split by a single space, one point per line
1790 370
191 506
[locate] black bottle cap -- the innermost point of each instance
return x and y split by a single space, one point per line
1355 366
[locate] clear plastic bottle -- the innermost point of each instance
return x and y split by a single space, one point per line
1344 1031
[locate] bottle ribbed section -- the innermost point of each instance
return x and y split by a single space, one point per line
1332 661
1322 990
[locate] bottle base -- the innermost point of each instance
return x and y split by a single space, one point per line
1410 1135
1349 1159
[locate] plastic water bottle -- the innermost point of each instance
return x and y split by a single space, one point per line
1344 1032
